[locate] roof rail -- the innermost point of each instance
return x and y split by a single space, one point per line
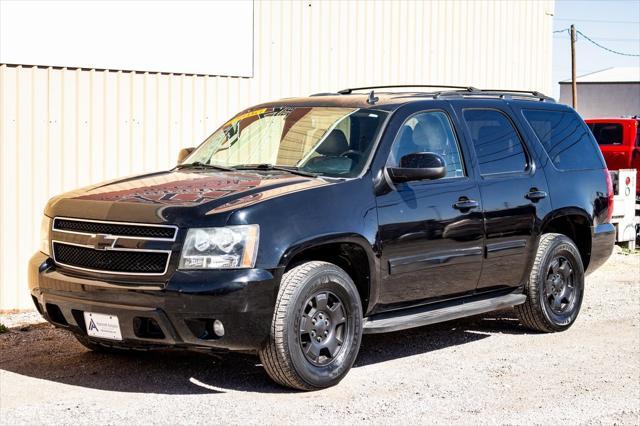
396 86
501 93
462 91
532 93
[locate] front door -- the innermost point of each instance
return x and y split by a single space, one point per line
431 231
513 189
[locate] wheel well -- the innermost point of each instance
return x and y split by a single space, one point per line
349 256
575 227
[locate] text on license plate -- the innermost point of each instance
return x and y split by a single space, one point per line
103 326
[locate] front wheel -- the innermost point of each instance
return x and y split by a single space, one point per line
316 327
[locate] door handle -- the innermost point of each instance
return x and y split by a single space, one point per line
535 195
465 204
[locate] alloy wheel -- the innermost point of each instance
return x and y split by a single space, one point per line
323 328
560 290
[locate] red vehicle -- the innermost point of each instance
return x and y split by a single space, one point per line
619 140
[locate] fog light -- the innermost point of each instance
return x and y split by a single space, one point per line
218 328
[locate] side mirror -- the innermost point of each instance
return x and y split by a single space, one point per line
418 166
184 153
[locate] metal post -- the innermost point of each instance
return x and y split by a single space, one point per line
574 87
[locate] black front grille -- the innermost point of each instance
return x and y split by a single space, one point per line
141 231
135 262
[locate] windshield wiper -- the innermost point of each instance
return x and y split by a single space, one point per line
201 165
267 166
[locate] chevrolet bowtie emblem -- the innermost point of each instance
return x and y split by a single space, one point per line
102 241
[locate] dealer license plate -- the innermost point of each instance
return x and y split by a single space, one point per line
102 326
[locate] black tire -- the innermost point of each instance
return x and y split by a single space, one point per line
555 287
306 293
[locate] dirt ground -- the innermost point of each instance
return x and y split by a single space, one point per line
485 369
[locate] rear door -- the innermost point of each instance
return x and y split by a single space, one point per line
513 190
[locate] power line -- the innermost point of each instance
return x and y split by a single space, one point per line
605 48
596 43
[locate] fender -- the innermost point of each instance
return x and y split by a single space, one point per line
565 211
585 251
351 238
542 224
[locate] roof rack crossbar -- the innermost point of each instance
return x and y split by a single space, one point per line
397 86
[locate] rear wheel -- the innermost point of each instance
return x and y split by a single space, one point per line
316 327
555 287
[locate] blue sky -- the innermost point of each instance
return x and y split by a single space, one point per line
612 23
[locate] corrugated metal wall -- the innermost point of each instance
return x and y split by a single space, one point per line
65 128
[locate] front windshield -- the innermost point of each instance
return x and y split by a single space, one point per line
322 140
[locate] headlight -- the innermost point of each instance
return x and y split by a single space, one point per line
45 229
220 248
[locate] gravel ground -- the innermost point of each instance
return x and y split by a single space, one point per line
485 369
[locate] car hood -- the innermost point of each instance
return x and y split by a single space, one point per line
177 197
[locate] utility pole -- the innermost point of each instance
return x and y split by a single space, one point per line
574 87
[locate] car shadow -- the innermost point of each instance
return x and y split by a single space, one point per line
377 348
46 353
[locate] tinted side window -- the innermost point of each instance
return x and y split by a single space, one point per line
428 132
496 142
607 133
566 139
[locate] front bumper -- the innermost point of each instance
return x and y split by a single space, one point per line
178 313
603 238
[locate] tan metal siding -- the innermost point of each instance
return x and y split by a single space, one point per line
66 128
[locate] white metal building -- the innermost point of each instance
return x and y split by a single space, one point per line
68 123
607 93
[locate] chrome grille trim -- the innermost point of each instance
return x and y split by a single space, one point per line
59 238
102 271
175 228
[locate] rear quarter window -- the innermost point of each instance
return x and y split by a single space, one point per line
566 139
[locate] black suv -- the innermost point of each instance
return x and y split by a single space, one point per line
301 224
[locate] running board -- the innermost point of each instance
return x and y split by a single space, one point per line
394 321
